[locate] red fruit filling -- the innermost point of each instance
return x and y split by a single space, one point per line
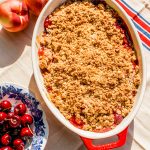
135 63
47 22
117 118
103 130
76 122
49 88
41 51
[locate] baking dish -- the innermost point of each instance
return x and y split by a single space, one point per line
121 129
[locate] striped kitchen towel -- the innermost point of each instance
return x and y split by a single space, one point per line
139 11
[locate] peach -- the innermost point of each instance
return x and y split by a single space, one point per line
14 15
36 5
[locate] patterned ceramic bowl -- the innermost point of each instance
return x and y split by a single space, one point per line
17 94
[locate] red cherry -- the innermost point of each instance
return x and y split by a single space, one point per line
3 117
18 144
10 115
26 120
26 132
117 118
5 105
6 148
20 109
5 139
20 148
15 121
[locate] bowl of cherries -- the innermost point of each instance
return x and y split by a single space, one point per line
23 124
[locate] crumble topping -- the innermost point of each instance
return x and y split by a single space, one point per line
88 71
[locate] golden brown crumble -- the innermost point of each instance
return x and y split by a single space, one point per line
87 70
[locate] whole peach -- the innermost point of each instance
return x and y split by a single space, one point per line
14 15
36 5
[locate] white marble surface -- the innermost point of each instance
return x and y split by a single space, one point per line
16 67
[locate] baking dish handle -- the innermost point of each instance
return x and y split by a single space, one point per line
121 141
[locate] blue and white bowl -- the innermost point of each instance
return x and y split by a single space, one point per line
17 94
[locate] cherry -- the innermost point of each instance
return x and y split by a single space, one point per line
18 144
134 64
26 120
5 105
117 118
20 148
5 139
3 117
5 127
10 115
26 132
15 121
20 109
49 88
6 148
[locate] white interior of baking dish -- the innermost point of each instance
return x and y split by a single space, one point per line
51 5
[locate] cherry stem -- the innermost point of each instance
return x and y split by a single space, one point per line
7 109
29 128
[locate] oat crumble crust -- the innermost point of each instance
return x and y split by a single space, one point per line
87 70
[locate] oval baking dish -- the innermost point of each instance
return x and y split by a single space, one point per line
120 129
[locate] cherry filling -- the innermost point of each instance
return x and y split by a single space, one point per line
79 123
76 122
47 22
49 88
135 63
117 118
103 130
120 24
41 51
